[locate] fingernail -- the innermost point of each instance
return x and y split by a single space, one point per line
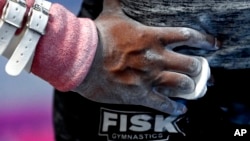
175 109
195 67
186 85
180 110
217 44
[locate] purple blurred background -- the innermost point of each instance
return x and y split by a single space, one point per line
26 101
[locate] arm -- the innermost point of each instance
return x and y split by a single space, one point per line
65 51
131 64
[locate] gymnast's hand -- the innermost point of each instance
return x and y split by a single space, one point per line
134 62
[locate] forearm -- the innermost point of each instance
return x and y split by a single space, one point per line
64 54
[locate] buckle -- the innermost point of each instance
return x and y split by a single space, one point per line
21 2
13 12
39 16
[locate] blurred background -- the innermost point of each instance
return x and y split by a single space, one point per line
26 101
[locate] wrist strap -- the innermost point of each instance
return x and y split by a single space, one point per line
37 21
12 18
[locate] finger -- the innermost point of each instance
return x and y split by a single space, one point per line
111 5
200 85
163 104
172 37
181 63
174 82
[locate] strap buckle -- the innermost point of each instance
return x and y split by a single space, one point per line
21 2
13 12
39 16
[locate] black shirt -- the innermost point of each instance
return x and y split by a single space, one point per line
223 112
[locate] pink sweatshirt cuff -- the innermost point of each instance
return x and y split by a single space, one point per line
65 53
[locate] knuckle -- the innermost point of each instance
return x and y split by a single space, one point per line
186 32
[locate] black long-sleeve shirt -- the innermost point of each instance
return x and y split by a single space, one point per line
224 109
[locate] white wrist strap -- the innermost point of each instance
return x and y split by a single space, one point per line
36 25
11 20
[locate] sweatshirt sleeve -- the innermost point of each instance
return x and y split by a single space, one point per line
65 53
